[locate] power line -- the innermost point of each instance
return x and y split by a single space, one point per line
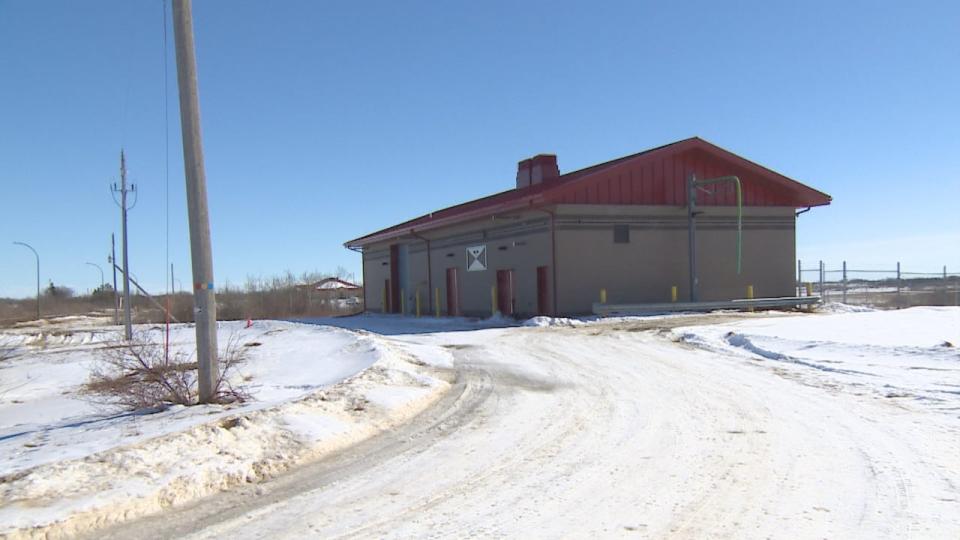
166 175
166 136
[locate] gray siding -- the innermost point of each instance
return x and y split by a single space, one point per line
640 271
520 243
656 258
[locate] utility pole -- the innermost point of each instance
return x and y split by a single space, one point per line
204 299
112 259
123 190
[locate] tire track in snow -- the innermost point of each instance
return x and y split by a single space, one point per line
542 448
560 433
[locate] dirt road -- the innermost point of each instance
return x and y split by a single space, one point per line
603 431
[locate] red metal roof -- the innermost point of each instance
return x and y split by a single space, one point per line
654 177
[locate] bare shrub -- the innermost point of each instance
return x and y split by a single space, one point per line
139 374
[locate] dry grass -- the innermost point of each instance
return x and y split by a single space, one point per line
274 301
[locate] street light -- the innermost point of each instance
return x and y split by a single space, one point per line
101 272
28 246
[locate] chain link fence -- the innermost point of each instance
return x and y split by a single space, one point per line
891 288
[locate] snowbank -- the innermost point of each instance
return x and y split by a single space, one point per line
910 355
395 324
66 467
543 322
839 307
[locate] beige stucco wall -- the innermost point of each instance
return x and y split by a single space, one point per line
520 242
376 269
656 258
641 271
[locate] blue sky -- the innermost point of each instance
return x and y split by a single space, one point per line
323 121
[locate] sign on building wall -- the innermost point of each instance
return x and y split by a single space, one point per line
476 258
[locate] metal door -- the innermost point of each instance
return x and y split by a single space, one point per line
505 300
387 297
393 290
453 293
543 298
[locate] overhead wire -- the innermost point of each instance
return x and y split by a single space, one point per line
166 174
166 137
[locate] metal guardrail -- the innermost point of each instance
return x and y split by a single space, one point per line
638 309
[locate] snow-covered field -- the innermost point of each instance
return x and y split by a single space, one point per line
911 356
840 424
68 463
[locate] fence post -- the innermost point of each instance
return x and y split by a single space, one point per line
844 282
799 277
899 284
823 294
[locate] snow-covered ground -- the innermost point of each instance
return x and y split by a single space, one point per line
836 424
910 356
617 428
68 463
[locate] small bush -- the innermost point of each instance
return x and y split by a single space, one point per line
139 375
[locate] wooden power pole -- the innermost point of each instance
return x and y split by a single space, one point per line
123 190
204 299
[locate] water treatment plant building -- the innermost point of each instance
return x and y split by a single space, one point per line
552 243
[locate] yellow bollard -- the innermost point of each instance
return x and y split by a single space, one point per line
673 293
493 300
436 302
603 296
403 302
750 296
383 300
809 289
417 297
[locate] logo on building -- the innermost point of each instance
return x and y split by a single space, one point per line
476 258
